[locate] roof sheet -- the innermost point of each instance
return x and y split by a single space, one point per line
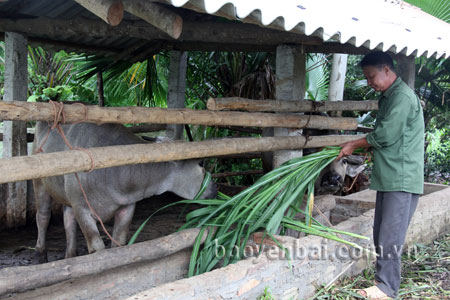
375 24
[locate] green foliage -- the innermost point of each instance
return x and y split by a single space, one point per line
437 156
269 203
433 87
48 70
267 295
125 83
356 87
317 77
438 8
228 74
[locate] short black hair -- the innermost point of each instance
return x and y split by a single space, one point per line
377 59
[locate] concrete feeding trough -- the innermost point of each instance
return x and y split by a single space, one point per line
314 261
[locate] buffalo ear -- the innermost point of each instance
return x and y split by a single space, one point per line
353 170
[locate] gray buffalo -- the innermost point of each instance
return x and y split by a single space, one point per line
331 179
112 192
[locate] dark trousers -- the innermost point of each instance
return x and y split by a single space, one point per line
393 213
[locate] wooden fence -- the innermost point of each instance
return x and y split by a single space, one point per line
44 165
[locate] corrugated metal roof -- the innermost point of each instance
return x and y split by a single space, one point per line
374 24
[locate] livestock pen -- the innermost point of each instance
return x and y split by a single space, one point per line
136 30
139 267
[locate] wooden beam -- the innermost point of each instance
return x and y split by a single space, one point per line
40 111
110 11
65 162
157 15
237 103
11 279
221 33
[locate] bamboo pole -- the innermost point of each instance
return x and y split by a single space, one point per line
236 103
65 162
39 111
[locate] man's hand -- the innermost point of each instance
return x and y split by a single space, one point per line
349 147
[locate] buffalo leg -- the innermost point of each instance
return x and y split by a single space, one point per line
89 228
122 223
70 226
43 213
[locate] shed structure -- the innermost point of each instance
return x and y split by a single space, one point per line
135 30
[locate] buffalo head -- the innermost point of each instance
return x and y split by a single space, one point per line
331 179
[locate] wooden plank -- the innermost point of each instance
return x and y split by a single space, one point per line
237 103
39 111
218 34
65 162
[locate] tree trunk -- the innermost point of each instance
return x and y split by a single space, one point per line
65 162
237 103
16 110
337 79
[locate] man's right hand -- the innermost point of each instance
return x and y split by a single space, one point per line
349 147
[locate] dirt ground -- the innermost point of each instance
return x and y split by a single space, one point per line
17 246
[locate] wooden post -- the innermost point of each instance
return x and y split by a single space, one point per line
15 133
65 162
39 111
237 103
290 84
176 89
157 15
110 11
337 78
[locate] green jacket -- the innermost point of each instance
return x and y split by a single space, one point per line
398 141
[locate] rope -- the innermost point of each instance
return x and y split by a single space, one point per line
315 105
58 108
345 189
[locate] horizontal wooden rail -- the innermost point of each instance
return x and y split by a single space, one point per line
12 279
65 162
39 111
236 103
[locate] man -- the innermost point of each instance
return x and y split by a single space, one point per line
397 176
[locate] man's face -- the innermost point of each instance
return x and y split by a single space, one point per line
378 78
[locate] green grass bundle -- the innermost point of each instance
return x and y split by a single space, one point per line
269 205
